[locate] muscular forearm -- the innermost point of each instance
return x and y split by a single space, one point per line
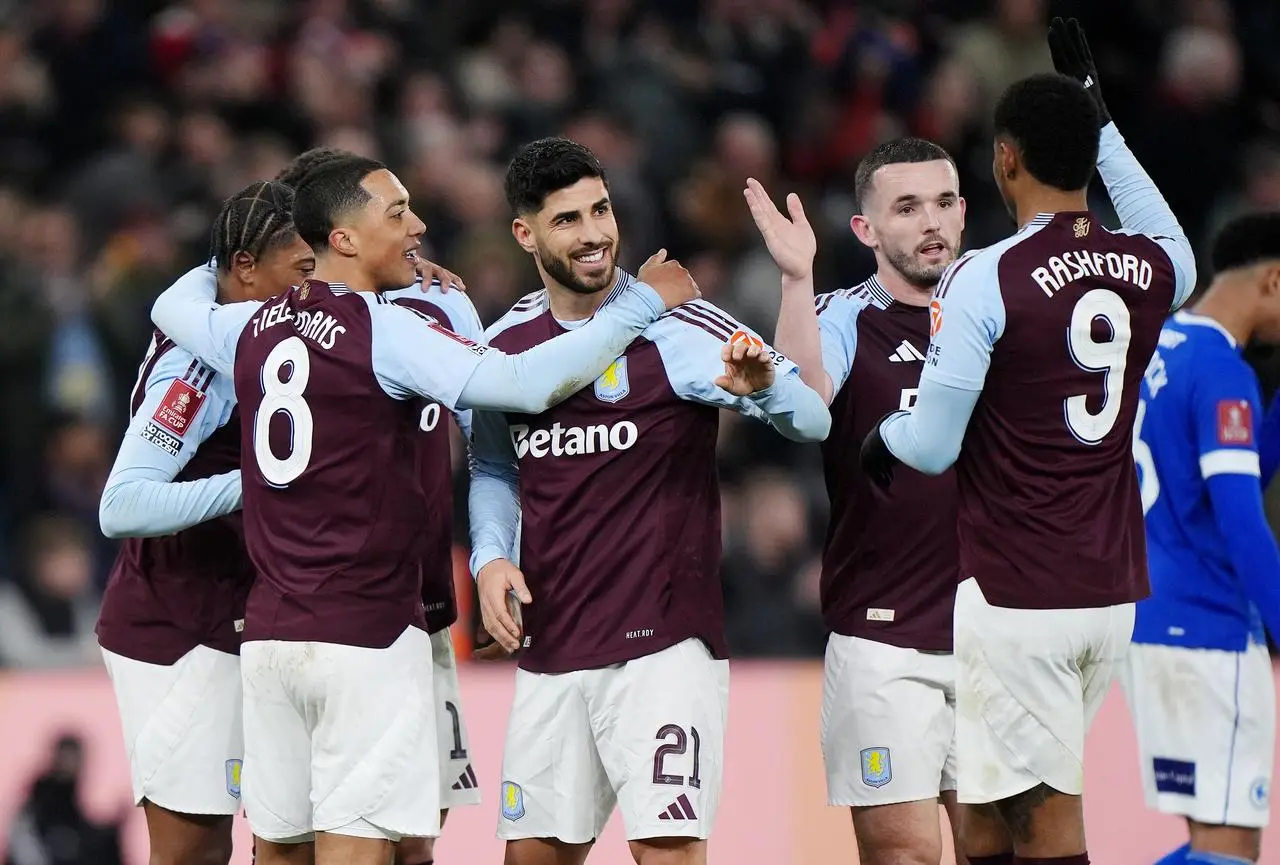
797 335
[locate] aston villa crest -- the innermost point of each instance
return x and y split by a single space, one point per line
613 384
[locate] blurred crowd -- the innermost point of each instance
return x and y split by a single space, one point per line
124 123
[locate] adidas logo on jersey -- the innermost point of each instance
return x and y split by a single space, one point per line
905 353
569 441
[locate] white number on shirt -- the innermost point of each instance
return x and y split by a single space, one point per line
284 396
1148 482
1107 357
430 417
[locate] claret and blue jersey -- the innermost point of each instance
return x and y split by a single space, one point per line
1203 460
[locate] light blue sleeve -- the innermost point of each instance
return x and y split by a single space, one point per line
967 318
187 313
140 499
929 436
838 330
1142 208
412 356
494 500
690 341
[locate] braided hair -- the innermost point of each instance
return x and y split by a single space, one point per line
255 220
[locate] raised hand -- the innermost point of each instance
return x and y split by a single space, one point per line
669 279
747 366
429 271
1071 57
791 242
495 582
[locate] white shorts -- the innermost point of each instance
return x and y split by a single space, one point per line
888 723
458 782
647 735
340 739
183 729
1028 684
1206 724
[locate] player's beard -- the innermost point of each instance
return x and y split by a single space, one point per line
918 274
561 270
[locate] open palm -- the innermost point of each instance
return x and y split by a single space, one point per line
791 242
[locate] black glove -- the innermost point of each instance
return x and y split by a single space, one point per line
1072 57
876 458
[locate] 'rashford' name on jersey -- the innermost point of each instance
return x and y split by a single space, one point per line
618 494
891 561
435 465
1054 326
166 595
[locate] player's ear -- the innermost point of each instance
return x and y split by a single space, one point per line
523 234
1271 280
342 241
863 231
1006 159
960 203
243 265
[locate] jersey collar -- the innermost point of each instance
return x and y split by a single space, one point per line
1191 318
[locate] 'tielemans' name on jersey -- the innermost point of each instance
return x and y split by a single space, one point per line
319 327
1062 270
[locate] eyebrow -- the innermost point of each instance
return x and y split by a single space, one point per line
567 214
399 202
910 197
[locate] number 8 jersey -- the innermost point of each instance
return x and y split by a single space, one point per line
334 510
1055 326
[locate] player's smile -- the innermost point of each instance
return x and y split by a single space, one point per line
593 259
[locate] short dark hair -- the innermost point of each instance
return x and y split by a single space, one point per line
1054 122
893 152
1246 240
329 192
542 167
256 219
305 163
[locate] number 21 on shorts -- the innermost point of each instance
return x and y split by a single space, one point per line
675 743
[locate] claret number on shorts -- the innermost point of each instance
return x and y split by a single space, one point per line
675 742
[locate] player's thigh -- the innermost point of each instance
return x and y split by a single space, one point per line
374 746
187 839
553 783
183 729
659 722
1205 723
459 784
544 851
669 851
1020 705
887 722
276 779
904 833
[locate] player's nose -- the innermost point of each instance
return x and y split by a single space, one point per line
415 226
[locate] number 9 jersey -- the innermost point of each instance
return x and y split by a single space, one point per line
1054 326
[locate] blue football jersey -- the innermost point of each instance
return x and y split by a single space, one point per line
1195 421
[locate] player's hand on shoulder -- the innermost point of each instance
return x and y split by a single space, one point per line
429 271
747 366
669 279
791 242
495 584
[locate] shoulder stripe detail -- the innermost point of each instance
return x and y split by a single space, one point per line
702 324
713 313
712 324
941 291
620 285
533 300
